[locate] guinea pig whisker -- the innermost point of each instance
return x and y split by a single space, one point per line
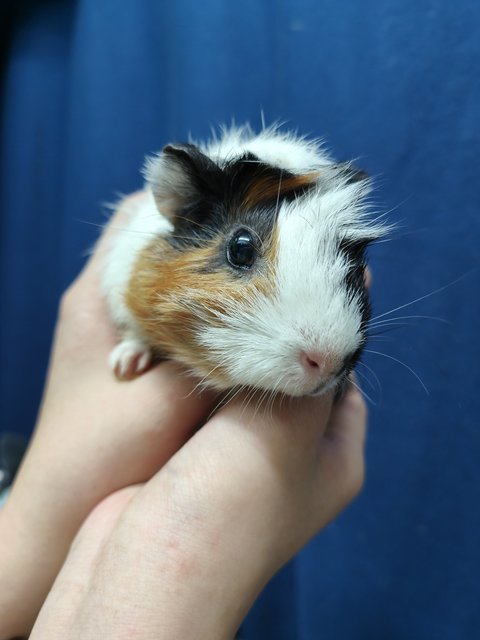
273 398
198 224
269 396
119 229
397 236
270 399
278 193
250 394
269 405
201 383
229 396
379 338
427 295
387 328
306 221
367 379
240 390
274 393
93 224
220 403
389 320
364 380
262 397
177 237
284 397
363 392
386 213
377 379
225 399
414 373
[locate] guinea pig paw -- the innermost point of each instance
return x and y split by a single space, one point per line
130 359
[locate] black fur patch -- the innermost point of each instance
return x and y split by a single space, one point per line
219 194
355 283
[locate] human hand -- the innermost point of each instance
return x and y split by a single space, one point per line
94 436
185 555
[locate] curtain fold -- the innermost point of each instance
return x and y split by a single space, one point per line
90 87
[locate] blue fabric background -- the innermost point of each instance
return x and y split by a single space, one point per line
89 87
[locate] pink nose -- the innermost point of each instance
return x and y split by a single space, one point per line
313 362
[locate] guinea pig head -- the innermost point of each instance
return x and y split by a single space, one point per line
261 281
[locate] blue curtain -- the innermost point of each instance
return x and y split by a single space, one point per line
89 87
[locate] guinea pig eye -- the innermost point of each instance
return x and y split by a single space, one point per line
241 251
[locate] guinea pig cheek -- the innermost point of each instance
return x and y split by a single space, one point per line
178 297
237 335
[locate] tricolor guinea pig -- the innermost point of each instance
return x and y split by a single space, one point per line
245 262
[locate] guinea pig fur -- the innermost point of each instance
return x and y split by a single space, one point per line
245 262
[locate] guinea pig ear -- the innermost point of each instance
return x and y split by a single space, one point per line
180 176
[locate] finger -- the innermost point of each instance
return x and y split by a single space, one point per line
71 586
368 277
341 463
349 417
231 501
285 421
97 527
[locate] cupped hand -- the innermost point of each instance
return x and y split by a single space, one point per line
217 514
185 555
94 436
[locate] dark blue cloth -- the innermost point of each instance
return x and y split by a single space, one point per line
91 86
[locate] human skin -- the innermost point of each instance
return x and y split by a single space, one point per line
205 517
185 555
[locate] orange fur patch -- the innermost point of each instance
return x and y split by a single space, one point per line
268 188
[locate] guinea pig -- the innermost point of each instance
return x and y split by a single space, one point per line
245 262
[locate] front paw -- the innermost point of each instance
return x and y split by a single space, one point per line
130 359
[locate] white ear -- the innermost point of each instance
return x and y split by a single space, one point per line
180 175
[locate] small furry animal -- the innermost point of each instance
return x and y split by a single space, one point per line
245 262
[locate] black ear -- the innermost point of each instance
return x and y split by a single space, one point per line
180 176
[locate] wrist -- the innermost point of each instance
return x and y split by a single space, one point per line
27 572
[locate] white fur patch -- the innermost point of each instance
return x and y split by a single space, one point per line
145 223
311 310
272 146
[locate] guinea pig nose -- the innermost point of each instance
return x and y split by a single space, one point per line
317 363
313 362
